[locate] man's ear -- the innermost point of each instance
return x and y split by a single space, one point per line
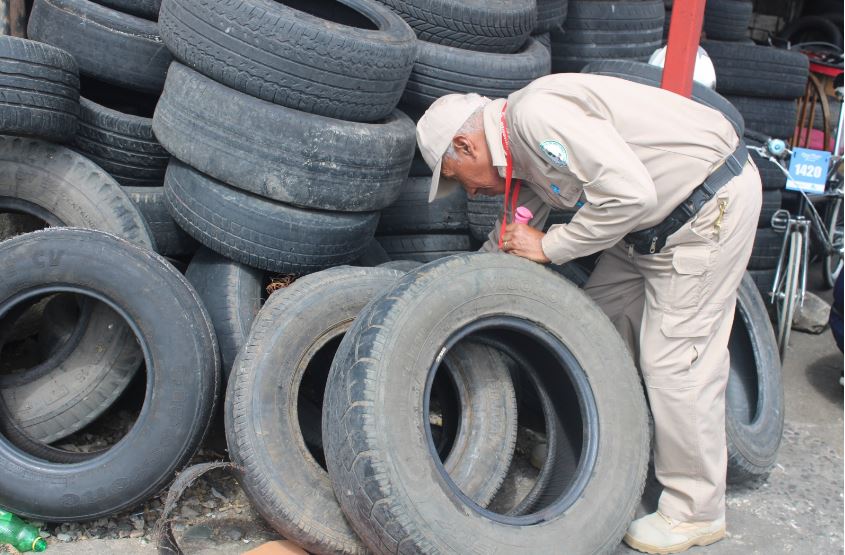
463 146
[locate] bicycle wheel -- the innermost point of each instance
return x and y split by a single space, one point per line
833 226
786 292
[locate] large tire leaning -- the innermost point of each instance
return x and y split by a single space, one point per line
231 293
754 402
280 153
652 76
262 233
170 239
63 188
412 213
727 20
108 45
751 70
470 25
412 507
39 90
754 397
57 187
598 30
142 8
181 361
285 359
441 70
122 144
348 61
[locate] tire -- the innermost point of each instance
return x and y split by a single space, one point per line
80 384
169 238
373 255
550 15
39 90
412 213
598 30
62 188
108 45
766 252
832 263
285 363
727 20
261 233
538 412
122 144
182 374
386 350
751 70
754 398
771 203
418 166
232 295
340 66
402 265
142 8
441 70
763 279
279 153
813 28
771 175
424 248
788 290
469 25
651 75
774 117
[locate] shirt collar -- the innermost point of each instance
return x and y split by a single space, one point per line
492 119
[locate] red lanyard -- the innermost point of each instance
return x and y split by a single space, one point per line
508 176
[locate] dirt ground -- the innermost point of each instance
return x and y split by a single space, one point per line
798 510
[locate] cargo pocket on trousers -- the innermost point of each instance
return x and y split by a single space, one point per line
686 313
690 275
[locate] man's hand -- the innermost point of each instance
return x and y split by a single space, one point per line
525 241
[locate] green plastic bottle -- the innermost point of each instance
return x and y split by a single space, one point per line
19 534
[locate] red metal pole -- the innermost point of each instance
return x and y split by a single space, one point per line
684 36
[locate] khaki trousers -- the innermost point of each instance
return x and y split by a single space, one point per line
675 309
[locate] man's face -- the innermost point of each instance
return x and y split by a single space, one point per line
473 167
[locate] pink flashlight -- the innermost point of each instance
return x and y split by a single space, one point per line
523 215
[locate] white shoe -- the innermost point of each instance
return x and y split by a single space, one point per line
659 534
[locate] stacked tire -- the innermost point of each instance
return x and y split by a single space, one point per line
291 175
597 30
727 20
123 64
763 83
485 49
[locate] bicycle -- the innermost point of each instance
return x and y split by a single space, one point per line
790 282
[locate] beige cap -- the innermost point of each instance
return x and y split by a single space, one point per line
435 131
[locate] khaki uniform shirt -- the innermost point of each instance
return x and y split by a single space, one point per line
631 153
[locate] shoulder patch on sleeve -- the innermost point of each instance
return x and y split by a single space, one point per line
555 152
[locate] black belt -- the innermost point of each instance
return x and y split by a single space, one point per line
651 240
